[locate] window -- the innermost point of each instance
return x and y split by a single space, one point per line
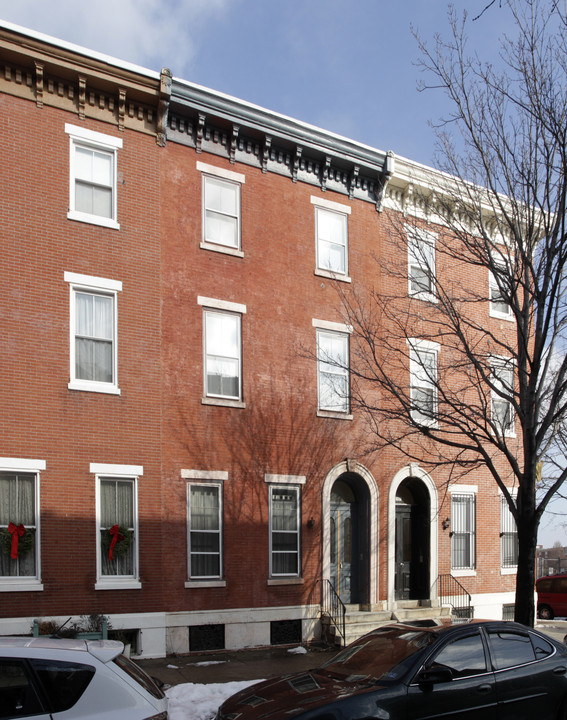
509 649
284 530
502 390
19 523
423 379
333 371
92 187
464 656
499 306
93 333
117 506
421 264
463 531
221 191
331 233
508 535
205 530
222 351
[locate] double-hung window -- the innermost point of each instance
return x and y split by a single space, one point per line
204 510
285 514
423 381
497 281
502 377
19 524
332 367
421 264
117 519
92 184
331 234
222 349
93 342
508 536
463 530
221 190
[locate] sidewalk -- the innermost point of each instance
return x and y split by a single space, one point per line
225 666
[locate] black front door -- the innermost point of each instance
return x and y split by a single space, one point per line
403 552
344 542
412 552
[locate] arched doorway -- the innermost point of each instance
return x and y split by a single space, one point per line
349 539
412 541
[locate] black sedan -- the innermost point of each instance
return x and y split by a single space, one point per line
473 670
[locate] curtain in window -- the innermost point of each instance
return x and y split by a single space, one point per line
17 505
285 531
221 212
223 354
204 536
463 531
94 333
116 508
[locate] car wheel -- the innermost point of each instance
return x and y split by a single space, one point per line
545 613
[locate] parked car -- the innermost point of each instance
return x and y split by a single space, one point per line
474 670
551 596
53 678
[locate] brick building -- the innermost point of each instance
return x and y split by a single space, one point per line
182 457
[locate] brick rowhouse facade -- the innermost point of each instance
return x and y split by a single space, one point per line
212 278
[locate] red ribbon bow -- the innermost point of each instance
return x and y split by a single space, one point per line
16 531
116 537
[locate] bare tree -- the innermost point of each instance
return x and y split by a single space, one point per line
447 383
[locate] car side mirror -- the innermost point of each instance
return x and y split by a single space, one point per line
434 675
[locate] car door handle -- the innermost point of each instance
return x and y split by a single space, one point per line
560 670
484 688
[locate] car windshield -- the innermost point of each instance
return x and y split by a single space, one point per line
383 656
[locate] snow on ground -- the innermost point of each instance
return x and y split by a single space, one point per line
190 701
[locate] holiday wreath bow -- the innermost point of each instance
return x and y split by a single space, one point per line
16 531
116 536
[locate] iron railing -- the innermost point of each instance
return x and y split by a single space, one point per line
451 592
333 607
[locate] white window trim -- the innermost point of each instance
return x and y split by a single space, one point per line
507 363
95 285
225 305
340 209
337 329
95 140
284 479
206 581
298 574
423 236
473 491
18 584
102 471
235 178
512 569
416 345
508 316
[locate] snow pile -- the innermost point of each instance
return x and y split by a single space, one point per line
190 701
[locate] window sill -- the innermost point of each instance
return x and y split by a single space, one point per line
19 585
93 220
104 388
509 571
331 275
463 573
425 297
205 584
117 584
501 316
274 582
223 402
224 249
334 414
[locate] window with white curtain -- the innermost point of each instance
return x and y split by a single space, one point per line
284 531
93 333
93 186
421 264
204 512
463 531
222 355
118 527
333 371
508 536
18 525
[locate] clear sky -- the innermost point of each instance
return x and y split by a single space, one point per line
348 66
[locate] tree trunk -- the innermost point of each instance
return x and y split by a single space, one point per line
525 580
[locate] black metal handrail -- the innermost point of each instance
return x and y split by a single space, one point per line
451 592
333 607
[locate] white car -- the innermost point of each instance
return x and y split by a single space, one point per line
67 679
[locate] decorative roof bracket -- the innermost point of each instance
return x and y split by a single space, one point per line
163 106
384 178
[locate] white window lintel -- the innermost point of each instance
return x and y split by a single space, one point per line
332 326
212 475
221 172
284 479
22 464
330 205
221 305
464 489
117 470
92 282
97 138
